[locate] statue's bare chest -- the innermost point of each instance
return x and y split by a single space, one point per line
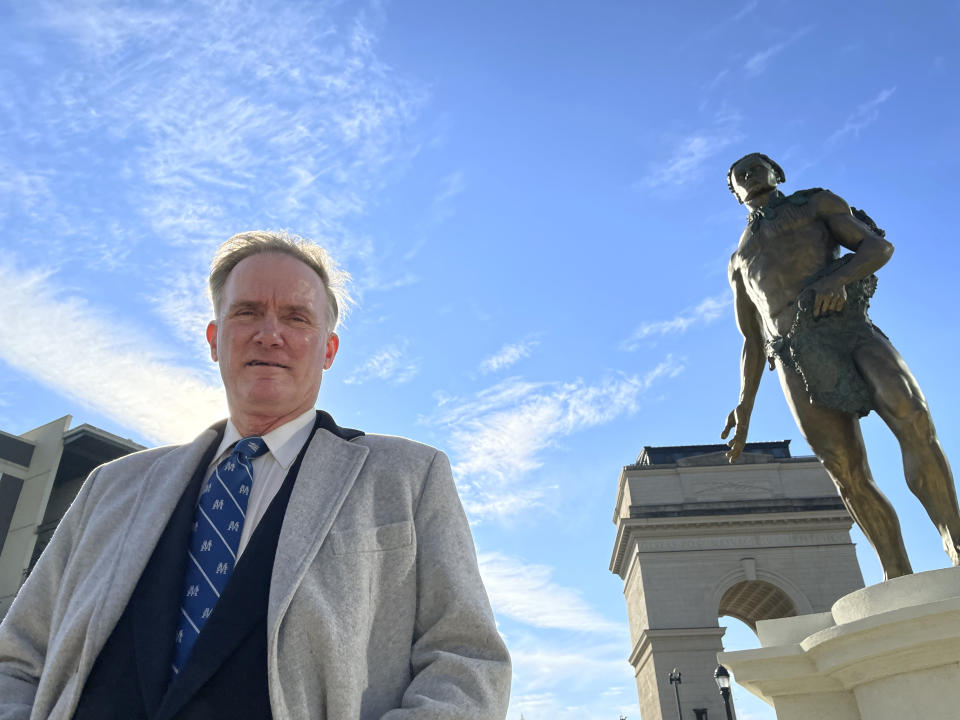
785 248
778 253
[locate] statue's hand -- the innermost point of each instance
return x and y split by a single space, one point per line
738 418
830 295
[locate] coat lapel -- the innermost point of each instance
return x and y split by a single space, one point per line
330 467
162 488
155 604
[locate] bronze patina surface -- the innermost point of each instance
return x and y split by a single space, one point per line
801 302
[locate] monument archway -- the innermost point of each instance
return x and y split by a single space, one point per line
697 538
753 600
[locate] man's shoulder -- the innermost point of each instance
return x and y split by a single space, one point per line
139 462
394 444
398 457
141 458
122 479
395 452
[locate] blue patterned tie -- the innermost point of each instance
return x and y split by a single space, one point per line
217 525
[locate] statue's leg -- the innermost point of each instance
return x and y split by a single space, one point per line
837 441
903 408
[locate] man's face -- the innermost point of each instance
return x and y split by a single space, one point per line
271 338
752 177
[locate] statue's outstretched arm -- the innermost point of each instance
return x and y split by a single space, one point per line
751 365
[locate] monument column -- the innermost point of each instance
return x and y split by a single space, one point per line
693 651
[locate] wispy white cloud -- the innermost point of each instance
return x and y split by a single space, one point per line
507 355
26 189
708 310
500 434
546 671
691 153
527 594
450 186
181 303
29 202
748 8
724 25
84 353
544 667
721 74
390 363
481 502
442 208
689 156
202 128
758 62
374 281
864 115
101 27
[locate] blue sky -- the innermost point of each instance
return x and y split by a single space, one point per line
531 200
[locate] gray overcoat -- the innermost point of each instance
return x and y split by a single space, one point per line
376 606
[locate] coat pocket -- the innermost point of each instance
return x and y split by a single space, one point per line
372 540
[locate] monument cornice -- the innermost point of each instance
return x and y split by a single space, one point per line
703 532
649 635
761 465
737 507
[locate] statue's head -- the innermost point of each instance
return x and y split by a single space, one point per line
747 165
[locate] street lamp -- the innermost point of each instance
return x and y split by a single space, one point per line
723 682
675 681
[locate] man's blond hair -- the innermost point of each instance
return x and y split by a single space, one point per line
246 244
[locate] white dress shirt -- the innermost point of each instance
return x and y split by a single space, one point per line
270 469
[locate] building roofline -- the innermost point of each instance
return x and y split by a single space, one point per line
87 430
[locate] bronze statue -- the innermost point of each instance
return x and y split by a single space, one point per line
803 307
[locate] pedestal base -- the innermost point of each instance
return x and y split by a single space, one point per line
889 651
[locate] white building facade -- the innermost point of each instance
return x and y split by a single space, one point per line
41 472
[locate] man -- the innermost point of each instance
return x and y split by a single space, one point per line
277 566
802 305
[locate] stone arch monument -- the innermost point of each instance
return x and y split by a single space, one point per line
698 538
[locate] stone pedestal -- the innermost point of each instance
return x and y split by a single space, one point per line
889 651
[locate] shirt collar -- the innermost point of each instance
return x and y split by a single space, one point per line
283 442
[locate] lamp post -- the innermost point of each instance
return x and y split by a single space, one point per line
674 678
723 682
